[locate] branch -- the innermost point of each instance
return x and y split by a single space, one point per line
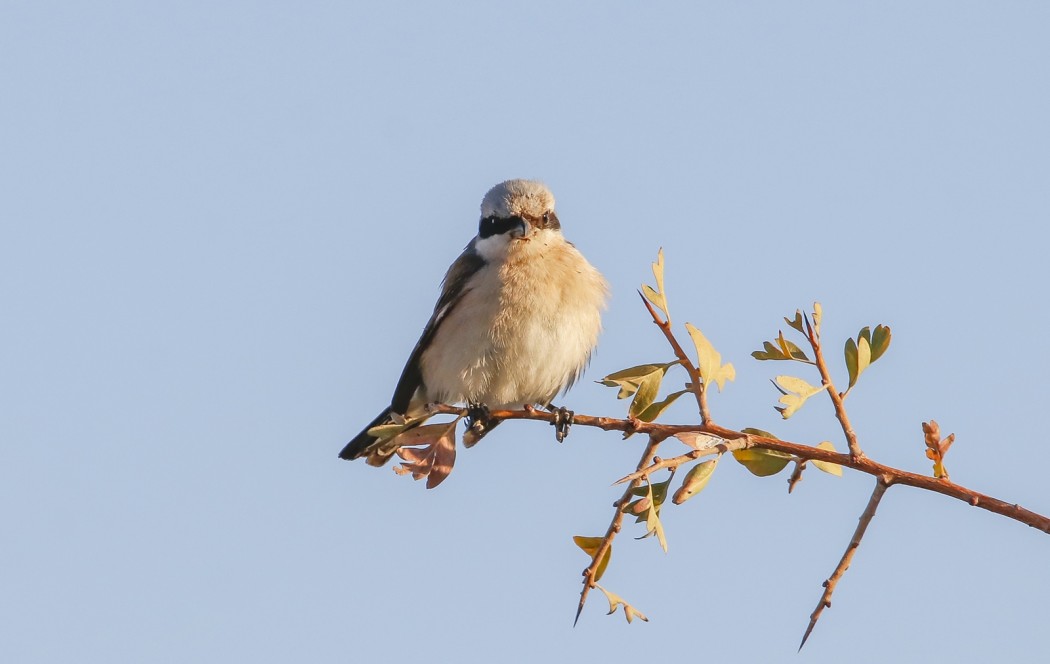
881 485
862 463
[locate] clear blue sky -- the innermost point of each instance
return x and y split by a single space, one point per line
223 225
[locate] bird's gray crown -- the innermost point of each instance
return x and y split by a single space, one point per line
517 198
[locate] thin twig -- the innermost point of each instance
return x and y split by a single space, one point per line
614 527
881 485
836 398
674 462
697 386
796 474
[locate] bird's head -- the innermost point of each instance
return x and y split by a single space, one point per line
515 210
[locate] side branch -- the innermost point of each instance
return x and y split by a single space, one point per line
881 485
836 398
697 385
589 574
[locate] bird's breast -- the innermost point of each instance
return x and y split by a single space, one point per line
522 332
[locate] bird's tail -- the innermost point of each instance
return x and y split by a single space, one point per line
364 445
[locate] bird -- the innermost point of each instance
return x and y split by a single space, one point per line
516 322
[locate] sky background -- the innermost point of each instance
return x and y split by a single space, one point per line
223 227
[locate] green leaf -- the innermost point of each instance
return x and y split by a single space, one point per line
645 396
758 432
858 355
827 467
652 516
656 295
880 341
790 349
863 354
762 462
654 410
795 393
710 361
629 379
647 509
850 355
590 546
654 493
695 481
782 350
796 322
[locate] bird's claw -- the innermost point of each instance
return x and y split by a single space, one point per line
563 419
479 421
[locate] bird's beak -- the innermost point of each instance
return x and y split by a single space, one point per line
520 229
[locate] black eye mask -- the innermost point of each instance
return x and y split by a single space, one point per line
490 226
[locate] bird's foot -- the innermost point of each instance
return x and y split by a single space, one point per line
563 419
479 423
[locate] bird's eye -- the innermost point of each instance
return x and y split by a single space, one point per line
494 225
546 218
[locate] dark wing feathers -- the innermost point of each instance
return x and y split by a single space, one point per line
452 290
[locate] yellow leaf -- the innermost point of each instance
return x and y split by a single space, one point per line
658 269
758 432
652 522
795 384
647 508
867 348
695 481
880 341
644 397
863 354
590 547
628 379
783 350
710 360
796 392
616 601
655 409
827 467
849 352
657 296
796 322
630 613
762 462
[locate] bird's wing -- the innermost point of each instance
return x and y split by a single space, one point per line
453 288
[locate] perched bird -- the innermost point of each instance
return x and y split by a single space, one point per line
518 317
